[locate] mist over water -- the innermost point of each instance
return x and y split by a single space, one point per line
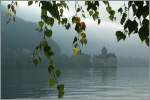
82 84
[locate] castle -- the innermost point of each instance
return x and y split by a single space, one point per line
87 61
105 59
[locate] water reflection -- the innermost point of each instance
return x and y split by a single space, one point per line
89 80
32 82
24 83
81 84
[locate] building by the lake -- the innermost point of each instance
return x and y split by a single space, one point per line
105 59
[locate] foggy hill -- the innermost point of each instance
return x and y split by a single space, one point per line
19 39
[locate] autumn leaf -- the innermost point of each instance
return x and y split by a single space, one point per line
82 25
75 51
77 19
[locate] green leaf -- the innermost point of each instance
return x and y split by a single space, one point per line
48 53
36 60
73 19
143 33
147 41
30 3
130 3
95 15
60 94
106 2
76 45
139 3
83 35
44 13
48 32
94 7
85 41
147 3
78 9
120 35
50 21
145 11
77 27
145 22
99 21
82 41
131 25
75 40
13 8
112 12
111 17
8 6
64 20
52 82
139 12
134 9
83 15
96 3
38 47
58 73
86 2
16 3
89 5
91 12
50 68
120 10
126 25
61 11
44 44
67 26
135 26
41 23
108 8
60 89
124 16
47 50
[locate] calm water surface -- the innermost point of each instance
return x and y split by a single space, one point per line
121 83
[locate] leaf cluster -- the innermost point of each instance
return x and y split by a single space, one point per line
140 23
93 10
110 11
11 11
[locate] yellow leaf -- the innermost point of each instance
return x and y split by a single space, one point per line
75 51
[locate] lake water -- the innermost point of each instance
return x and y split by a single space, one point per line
121 83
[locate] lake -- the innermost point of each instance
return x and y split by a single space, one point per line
117 83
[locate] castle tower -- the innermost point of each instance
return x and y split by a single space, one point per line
104 51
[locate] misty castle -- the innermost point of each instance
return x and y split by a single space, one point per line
105 59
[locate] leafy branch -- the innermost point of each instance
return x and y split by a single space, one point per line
139 24
53 12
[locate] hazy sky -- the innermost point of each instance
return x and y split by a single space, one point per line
104 34
32 13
